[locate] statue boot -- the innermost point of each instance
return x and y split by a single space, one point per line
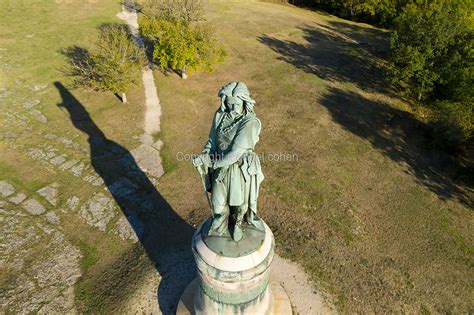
219 222
238 231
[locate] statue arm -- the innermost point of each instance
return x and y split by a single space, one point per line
210 144
245 140
230 158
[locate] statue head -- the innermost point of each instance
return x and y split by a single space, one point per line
235 96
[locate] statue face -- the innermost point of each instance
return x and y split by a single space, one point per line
234 104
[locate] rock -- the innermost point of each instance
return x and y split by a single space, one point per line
90 178
38 115
72 203
39 87
51 152
158 145
50 193
18 198
65 141
31 104
6 189
148 159
30 35
98 211
36 154
45 228
122 187
58 160
52 217
129 228
33 207
9 136
46 285
77 170
98 181
50 136
94 179
68 164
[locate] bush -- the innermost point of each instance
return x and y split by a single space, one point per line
423 44
113 64
452 124
181 39
433 60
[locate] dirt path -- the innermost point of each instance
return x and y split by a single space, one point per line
152 102
305 298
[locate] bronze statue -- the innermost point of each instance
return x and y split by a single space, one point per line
229 167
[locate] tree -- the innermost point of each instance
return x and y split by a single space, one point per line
422 44
181 39
113 64
433 60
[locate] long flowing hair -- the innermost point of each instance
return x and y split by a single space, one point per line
239 90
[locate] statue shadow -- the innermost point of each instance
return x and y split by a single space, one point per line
403 138
163 234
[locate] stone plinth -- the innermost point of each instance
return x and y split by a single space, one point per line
234 281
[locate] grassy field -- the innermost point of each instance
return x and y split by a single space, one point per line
377 218
32 34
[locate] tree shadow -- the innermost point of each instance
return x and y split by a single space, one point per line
374 40
332 56
402 138
164 235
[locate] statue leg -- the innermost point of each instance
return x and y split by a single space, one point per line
238 233
220 210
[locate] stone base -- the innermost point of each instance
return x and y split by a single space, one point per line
278 301
234 279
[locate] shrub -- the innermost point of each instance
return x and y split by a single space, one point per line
452 124
113 64
181 39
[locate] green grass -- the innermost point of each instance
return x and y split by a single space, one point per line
90 255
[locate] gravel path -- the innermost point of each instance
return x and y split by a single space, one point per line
152 102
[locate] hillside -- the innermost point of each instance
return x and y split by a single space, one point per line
376 217
380 222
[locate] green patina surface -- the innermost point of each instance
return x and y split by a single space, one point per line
236 298
224 245
228 165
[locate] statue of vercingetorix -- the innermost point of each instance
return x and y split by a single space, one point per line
230 168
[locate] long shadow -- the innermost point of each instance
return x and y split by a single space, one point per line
164 235
334 56
402 137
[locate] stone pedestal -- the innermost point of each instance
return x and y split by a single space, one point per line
233 277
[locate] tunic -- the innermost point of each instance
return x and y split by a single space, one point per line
237 184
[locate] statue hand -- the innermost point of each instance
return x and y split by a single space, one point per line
202 159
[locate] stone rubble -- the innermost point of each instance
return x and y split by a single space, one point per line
6 189
31 104
72 203
18 198
52 217
38 115
98 211
45 284
34 207
130 228
50 193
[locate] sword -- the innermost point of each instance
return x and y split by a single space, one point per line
198 165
